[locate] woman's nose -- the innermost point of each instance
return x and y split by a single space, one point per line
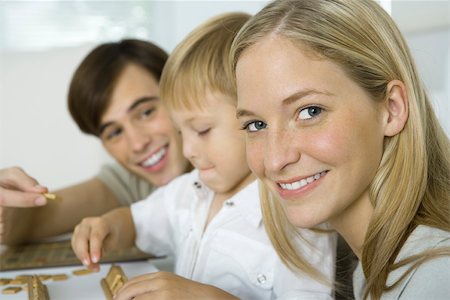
280 150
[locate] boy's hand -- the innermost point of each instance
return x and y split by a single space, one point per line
90 238
93 236
165 285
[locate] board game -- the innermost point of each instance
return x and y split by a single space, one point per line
58 254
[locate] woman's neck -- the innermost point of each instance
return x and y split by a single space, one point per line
353 222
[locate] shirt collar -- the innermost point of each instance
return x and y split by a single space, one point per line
246 201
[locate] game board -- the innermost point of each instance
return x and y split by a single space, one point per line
57 254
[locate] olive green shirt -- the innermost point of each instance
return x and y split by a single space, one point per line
127 187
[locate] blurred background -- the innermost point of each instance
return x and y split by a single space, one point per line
42 42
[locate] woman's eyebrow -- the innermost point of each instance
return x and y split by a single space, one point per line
243 113
301 94
287 101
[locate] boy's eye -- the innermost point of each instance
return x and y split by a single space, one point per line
203 131
255 126
309 112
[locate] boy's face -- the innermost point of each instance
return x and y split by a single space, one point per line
213 142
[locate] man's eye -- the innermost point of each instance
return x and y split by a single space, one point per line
146 113
255 126
309 112
113 134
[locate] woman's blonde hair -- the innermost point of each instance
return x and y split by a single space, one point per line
412 184
199 64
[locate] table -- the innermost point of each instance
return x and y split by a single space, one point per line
78 287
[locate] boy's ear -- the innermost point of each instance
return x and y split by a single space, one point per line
397 108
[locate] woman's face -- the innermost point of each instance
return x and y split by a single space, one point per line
137 131
314 137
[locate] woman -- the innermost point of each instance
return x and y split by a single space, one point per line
114 95
340 130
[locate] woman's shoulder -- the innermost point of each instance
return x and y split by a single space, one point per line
431 278
424 238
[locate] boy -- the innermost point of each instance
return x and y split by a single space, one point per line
210 218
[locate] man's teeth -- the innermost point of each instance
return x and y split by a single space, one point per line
301 183
155 158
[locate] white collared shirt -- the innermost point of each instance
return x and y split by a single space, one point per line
234 253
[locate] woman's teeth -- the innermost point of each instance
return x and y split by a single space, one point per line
155 158
301 183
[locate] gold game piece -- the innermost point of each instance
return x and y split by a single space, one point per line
11 290
82 272
4 281
19 281
44 277
59 277
36 289
52 197
113 281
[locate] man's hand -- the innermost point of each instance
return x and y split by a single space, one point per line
19 193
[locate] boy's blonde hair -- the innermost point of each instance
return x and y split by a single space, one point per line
199 64
412 184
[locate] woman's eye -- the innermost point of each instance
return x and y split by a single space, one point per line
255 126
309 112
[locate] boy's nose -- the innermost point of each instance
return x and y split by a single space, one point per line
189 149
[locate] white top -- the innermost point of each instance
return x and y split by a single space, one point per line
431 280
234 253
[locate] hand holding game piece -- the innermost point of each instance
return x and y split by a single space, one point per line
96 235
88 239
18 189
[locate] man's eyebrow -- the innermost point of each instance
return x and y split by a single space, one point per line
140 101
103 127
132 106
287 101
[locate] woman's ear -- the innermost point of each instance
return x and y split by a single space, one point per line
397 108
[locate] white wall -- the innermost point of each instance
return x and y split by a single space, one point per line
38 134
36 130
180 17
431 51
